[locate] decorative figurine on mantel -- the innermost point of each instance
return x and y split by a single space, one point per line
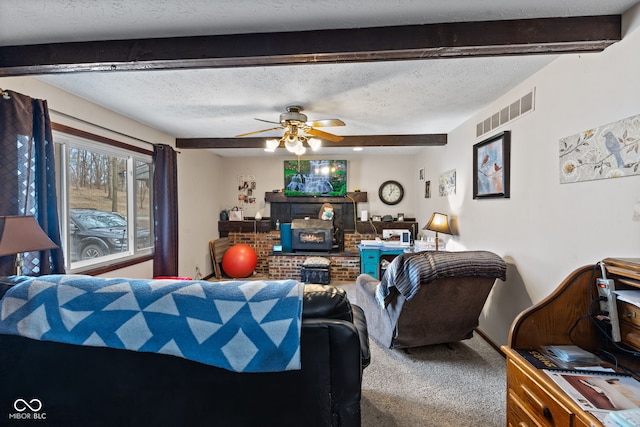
326 212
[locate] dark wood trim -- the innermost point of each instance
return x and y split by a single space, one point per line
406 42
348 141
104 140
118 265
351 197
246 226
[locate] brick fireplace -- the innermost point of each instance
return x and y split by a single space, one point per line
262 235
286 209
345 266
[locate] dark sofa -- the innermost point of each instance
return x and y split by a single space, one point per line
98 386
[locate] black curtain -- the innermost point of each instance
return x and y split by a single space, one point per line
28 178
165 211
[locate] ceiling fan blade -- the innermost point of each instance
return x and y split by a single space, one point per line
325 123
258 131
268 121
324 135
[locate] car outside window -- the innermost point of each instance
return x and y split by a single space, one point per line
105 200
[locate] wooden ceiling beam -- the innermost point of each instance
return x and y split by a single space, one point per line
348 141
407 42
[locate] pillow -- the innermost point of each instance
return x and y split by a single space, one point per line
316 261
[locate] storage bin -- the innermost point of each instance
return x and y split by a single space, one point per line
318 275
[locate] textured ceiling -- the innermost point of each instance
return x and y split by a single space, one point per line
403 97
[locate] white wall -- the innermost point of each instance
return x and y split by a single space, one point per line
200 182
547 229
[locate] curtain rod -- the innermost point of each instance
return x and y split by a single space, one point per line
98 126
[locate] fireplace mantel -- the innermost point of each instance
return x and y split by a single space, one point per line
279 197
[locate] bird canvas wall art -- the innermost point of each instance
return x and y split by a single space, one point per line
491 166
609 151
447 183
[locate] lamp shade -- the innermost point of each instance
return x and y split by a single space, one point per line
22 234
439 223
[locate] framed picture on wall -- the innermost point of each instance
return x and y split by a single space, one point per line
447 183
427 189
492 167
421 174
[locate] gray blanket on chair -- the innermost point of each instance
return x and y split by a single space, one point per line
408 271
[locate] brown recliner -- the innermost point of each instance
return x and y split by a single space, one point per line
428 297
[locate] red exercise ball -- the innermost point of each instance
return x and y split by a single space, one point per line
239 261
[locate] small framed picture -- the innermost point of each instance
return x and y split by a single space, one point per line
421 174
447 183
427 189
491 166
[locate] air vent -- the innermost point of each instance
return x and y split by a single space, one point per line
509 113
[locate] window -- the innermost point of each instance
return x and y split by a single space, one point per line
105 193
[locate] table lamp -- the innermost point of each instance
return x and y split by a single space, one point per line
439 223
20 234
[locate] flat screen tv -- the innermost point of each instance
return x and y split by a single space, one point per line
315 177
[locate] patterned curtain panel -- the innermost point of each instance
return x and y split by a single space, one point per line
27 177
165 215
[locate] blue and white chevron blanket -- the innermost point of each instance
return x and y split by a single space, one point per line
408 271
242 326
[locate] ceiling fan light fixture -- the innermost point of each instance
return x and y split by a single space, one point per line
292 143
299 134
314 143
271 145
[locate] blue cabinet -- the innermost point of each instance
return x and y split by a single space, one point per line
370 259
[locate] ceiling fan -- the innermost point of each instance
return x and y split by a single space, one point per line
298 131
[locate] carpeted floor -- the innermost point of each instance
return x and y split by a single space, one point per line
458 385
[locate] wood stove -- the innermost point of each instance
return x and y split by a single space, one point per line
311 235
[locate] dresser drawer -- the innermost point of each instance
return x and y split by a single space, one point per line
534 401
630 335
629 316
629 313
369 268
518 414
369 254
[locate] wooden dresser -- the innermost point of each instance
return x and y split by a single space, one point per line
533 399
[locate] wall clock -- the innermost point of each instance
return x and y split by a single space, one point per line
391 192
